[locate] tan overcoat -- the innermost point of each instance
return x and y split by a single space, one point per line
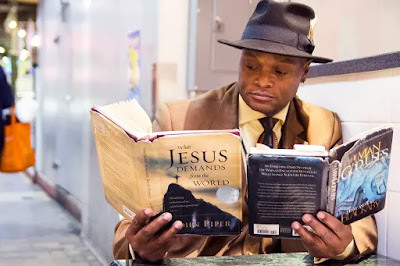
218 109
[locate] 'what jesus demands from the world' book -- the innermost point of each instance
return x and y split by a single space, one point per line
194 175
349 182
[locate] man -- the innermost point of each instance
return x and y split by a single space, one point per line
276 55
6 100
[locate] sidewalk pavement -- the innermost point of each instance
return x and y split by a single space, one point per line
35 230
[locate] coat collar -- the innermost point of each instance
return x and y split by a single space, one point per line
213 110
221 112
227 115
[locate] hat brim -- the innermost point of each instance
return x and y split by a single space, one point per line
273 48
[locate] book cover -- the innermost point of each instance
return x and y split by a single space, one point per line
350 183
274 205
363 176
194 175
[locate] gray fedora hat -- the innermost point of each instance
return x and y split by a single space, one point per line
280 28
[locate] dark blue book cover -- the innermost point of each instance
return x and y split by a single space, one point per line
282 189
363 176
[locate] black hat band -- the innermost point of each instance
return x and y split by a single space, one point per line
278 35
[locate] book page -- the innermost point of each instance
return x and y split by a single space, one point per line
115 150
263 149
128 115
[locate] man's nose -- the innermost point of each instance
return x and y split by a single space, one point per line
265 80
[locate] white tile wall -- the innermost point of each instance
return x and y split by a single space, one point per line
396 71
381 223
393 222
394 171
357 97
364 101
394 95
351 129
354 34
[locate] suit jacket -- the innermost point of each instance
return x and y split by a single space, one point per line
218 109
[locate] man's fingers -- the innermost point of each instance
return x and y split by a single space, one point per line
304 233
161 244
163 240
138 222
336 226
311 242
142 239
147 232
326 235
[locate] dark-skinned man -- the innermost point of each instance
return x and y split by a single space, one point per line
277 51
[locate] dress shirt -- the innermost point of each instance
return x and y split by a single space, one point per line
250 126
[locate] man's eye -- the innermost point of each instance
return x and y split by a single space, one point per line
280 72
251 67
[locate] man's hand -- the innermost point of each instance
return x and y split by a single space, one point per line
141 235
330 237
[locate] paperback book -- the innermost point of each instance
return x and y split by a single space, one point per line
194 175
349 181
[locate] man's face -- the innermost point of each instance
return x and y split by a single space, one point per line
267 82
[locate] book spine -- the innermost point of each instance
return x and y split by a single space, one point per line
147 180
325 185
334 170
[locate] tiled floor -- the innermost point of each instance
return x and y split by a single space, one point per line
35 230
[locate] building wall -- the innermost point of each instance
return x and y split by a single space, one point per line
84 61
108 81
357 28
173 50
364 101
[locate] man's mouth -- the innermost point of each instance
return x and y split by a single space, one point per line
261 96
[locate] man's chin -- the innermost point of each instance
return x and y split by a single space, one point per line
260 108
268 108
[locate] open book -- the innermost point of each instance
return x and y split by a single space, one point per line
194 175
349 181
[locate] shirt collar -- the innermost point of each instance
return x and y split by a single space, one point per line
246 114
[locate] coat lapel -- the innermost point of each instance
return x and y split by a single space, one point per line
226 117
219 110
216 109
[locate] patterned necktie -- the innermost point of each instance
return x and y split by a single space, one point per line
268 124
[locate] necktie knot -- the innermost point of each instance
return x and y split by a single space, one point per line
268 123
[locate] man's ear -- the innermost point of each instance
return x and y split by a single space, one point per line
306 68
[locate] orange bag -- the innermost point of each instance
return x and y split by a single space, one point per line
18 153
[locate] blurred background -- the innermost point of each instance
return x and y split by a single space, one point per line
61 57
